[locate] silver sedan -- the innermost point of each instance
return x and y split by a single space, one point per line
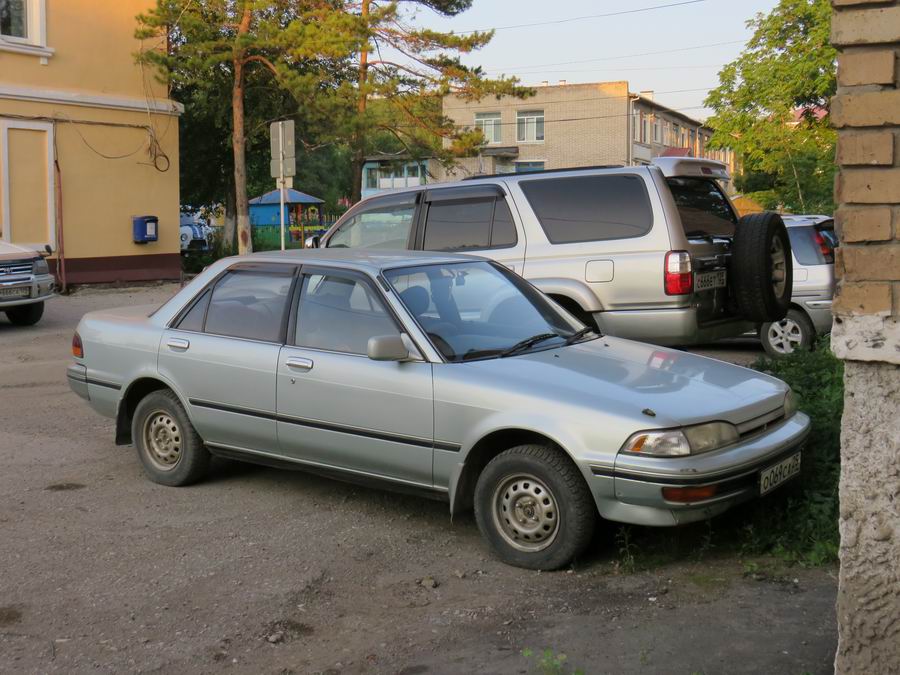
443 374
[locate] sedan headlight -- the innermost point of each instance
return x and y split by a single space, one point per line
790 403
40 267
693 440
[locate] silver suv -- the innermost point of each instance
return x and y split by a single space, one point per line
813 242
654 253
25 283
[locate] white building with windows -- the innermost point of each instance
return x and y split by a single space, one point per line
571 125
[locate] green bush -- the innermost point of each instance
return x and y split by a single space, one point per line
802 524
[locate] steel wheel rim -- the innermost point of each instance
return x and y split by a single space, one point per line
779 266
525 513
785 336
162 440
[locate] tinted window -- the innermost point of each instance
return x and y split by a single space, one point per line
193 320
703 207
340 314
386 227
459 225
590 208
504 231
810 246
249 305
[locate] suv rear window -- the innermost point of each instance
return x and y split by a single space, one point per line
590 208
703 207
813 245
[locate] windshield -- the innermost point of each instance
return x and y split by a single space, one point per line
703 207
474 310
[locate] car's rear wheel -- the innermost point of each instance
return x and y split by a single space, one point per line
534 508
793 333
26 315
169 447
761 268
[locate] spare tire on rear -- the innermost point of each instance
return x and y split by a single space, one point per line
761 267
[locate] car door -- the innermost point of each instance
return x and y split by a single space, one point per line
380 222
477 219
222 352
338 408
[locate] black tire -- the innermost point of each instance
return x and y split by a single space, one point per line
178 441
795 332
761 290
26 315
566 507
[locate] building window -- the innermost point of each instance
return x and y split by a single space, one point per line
645 129
371 178
14 18
529 167
490 126
530 126
657 131
412 170
636 126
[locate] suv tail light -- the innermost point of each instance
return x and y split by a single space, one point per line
77 347
824 247
679 277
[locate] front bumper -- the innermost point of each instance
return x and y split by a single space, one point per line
33 288
632 491
676 327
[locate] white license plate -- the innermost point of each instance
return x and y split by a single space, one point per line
771 478
15 292
705 281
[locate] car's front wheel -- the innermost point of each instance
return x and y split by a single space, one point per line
793 333
534 508
26 315
168 445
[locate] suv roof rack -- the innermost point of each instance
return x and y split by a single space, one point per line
569 168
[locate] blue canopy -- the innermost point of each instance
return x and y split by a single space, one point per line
291 197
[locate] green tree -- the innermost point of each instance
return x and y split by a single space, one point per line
408 71
771 105
303 45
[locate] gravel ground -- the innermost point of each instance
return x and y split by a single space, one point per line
266 571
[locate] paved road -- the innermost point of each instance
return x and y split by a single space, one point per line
262 571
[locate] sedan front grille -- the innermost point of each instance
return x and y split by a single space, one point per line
760 424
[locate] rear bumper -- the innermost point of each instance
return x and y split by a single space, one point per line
638 482
77 376
819 311
33 289
668 326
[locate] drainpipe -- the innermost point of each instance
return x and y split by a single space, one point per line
629 136
60 241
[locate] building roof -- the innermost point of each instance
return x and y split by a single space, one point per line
291 197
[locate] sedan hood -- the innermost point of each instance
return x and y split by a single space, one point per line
673 387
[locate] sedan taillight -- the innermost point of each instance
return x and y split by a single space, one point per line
77 347
679 277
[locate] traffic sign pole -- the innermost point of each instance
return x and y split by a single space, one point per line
281 183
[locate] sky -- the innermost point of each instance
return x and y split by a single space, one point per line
611 47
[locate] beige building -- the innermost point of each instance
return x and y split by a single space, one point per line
88 139
569 125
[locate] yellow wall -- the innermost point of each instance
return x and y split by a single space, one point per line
101 140
99 195
95 48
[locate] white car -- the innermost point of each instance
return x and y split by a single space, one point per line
25 283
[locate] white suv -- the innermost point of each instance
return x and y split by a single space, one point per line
654 253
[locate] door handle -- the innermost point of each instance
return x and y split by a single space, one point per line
178 344
299 363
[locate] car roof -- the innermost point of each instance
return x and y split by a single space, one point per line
791 220
372 260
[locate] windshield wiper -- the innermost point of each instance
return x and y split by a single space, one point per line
528 342
577 335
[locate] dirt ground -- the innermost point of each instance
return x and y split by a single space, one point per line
265 571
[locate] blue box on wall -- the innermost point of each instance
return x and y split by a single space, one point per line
145 228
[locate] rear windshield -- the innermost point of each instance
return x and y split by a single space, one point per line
590 208
703 207
813 244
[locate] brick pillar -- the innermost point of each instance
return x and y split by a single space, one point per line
866 112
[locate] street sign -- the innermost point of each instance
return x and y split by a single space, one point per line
283 165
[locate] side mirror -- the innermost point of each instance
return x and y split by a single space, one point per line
313 241
388 348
